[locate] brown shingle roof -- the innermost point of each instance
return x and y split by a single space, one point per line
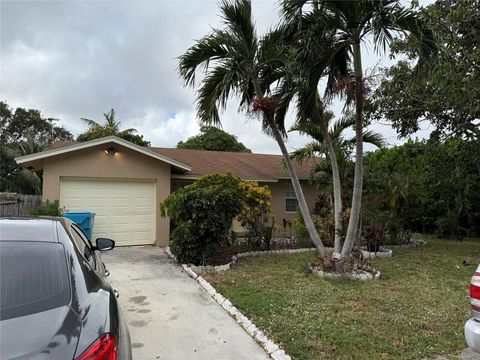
245 165
60 144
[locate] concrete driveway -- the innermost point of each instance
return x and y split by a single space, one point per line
169 315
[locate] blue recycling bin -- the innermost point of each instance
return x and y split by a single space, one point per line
84 219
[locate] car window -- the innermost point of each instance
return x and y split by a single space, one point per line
33 278
83 244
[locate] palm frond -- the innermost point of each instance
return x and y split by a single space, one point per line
214 93
90 123
212 47
237 16
374 138
309 151
345 122
128 131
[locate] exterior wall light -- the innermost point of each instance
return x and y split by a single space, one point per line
110 151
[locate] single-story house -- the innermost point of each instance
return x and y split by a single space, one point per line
123 183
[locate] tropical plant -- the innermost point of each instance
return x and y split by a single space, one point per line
110 127
48 208
342 147
21 179
24 132
233 59
355 22
256 214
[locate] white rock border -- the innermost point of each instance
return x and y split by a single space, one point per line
361 275
270 347
382 253
219 268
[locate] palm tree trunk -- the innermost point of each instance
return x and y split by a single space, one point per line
302 204
337 189
352 231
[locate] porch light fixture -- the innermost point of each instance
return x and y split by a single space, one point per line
110 151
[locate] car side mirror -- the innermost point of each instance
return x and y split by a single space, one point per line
104 244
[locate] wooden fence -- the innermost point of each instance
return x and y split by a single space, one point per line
17 204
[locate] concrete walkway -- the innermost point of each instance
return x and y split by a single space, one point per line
169 315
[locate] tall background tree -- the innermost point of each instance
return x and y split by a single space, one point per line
448 97
213 139
110 127
356 22
23 132
233 59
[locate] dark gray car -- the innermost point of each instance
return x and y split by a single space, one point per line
54 300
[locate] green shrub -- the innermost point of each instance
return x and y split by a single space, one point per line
47 209
256 213
202 213
325 226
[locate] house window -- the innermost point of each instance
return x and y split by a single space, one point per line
291 202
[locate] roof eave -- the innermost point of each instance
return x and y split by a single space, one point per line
105 140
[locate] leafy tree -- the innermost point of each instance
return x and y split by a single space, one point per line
428 186
355 22
24 132
213 139
111 127
14 125
233 59
203 213
448 96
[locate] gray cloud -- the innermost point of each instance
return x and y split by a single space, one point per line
73 59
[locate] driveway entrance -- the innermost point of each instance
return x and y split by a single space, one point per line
169 315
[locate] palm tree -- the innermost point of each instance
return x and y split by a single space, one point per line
110 124
233 60
289 78
354 22
341 147
21 179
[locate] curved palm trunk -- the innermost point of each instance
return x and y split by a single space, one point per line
337 192
302 204
352 231
337 189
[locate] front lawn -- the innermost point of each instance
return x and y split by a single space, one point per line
417 308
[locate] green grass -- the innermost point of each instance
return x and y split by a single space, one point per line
416 309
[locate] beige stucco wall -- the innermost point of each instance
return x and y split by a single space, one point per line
125 164
278 202
278 199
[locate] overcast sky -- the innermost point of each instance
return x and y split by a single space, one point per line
73 59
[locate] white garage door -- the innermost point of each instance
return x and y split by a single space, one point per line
124 209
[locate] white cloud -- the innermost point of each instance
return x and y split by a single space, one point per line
73 59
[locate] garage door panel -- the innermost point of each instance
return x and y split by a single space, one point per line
125 209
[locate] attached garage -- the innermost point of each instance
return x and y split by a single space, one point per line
124 208
122 183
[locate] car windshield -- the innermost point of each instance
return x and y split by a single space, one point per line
33 278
